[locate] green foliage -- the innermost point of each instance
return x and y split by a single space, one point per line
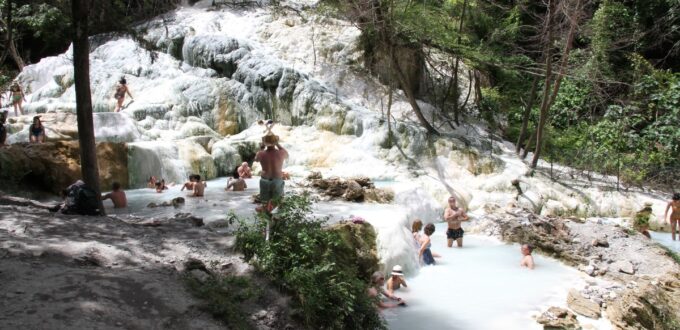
223 297
304 258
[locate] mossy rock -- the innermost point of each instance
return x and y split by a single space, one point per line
360 249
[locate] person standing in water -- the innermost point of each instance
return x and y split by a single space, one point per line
17 97
453 215
36 132
271 180
527 258
673 204
425 254
121 90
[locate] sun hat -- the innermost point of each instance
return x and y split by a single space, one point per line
396 270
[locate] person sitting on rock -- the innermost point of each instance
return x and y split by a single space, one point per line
244 171
236 183
673 204
396 280
376 291
36 131
527 258
117 196
121 90
424 253
199 186
454 215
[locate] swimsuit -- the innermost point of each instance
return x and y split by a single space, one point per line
270 189
36 131
455 233
428 259
16 98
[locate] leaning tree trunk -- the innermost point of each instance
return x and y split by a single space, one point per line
525 116
10 45
545 106
81 75
456 108
410 95
543 115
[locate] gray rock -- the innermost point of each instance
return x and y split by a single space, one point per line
600 242
583 306
623 266
558 318
199 275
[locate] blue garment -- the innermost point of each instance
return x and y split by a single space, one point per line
428 259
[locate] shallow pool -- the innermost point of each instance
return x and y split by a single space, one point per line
667 240
481 286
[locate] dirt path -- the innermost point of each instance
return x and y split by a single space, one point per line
74 272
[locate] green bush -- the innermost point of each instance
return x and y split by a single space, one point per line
305 259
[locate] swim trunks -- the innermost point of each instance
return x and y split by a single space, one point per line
270 189
455 233
428 259
16 98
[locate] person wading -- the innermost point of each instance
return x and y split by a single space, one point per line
121 90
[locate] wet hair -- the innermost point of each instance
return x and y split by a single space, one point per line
158 184
676 197
36 118
122 81
198 177
529 247
416 226
377 276
429 229
115 186
236 176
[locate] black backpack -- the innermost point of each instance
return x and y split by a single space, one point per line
81 199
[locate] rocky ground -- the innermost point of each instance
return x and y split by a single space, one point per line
633 280
76 272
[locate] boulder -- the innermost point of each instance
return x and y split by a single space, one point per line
53 166
583 306
359 249
556 318
651 305
600 242
354 192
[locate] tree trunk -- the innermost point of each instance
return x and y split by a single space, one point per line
81 75
558 80
456 108
543 115
526 115
410 95
9 39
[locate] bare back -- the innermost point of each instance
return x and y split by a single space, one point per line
199 188
118 198
271 160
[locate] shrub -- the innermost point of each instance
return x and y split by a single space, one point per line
305 259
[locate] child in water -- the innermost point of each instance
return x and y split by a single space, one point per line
396 280
425 244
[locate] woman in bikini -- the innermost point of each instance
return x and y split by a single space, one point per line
17 97
36 131
121 90
675 214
